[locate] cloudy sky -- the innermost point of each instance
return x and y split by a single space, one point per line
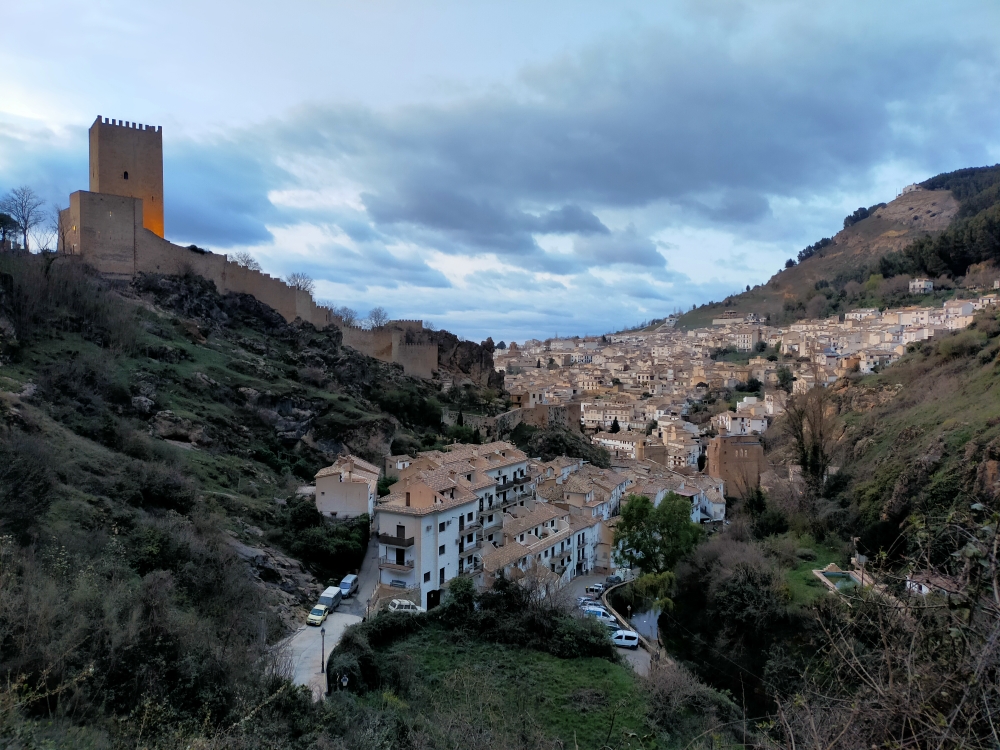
511 169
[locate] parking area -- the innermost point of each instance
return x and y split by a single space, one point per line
305 650
640 659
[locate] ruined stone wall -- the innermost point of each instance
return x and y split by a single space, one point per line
548 415
419 360
107 232
377 343
504 424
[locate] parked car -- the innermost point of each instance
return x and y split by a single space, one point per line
402 605
349 585
600 615
318 615
612 580
583 600
625 639
593 605
596 589
330 597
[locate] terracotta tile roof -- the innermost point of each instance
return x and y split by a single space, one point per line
543 513
343 464
396 503
500 557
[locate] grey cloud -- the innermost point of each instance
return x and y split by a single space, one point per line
217 192
372 266
627 247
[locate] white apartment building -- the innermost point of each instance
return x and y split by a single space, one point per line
426 537
347 489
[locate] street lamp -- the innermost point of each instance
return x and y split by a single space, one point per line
630 613
343 682
322 649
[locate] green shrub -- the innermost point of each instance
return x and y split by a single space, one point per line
962 344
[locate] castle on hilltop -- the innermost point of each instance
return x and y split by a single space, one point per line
117 228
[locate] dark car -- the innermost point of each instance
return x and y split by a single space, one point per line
612 580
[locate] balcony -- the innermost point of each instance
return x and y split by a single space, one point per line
464 547
513 483
395 541
386 563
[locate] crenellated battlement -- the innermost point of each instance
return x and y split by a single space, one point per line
129 125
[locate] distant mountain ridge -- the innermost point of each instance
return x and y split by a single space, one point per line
947 224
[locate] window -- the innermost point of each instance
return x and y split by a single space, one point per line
441 550
441 576
126 175
427 577
469 517
441 526
489 518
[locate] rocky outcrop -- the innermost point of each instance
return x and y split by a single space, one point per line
852 397
169 426
987 482
463 361
288 582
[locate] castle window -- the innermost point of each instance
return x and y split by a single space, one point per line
126 175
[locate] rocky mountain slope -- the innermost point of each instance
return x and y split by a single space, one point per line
853 250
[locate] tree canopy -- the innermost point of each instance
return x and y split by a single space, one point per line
654 538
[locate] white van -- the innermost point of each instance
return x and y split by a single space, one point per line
330 597
600 615
625 639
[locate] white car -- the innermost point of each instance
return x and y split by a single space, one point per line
596 589
402 605
584 600
625 639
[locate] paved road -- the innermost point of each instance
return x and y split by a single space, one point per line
367 581
640 659
304 648
304 651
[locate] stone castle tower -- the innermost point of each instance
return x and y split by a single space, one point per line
127 160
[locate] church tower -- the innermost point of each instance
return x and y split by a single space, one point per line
127 160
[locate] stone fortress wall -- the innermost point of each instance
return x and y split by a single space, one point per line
108 229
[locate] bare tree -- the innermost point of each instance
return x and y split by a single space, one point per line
245 259
378 317
301 281
346 314
25 208
47 232
809 422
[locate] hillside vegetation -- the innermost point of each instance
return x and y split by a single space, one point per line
939 232
150 434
